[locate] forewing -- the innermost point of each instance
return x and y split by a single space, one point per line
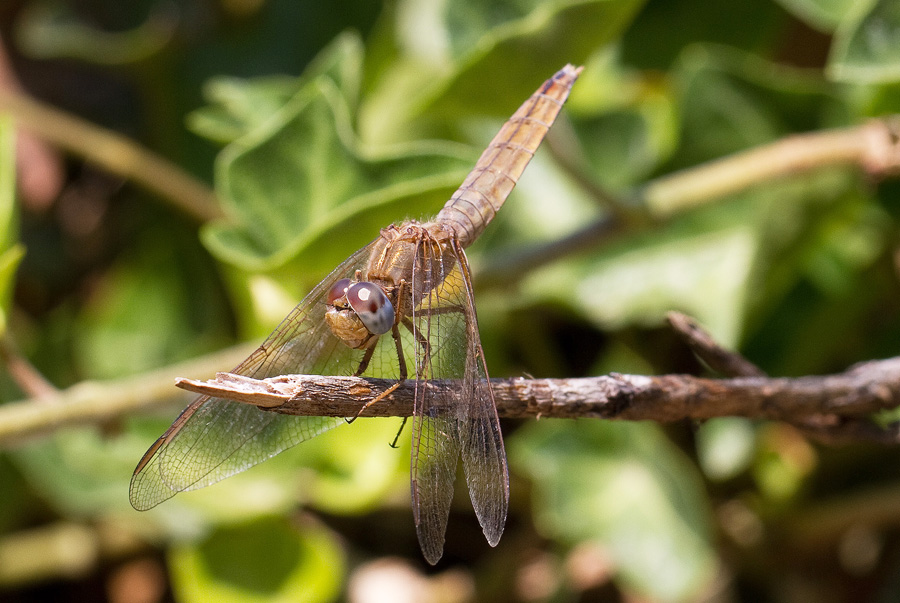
214 438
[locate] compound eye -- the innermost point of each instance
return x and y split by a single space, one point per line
372 306
338 290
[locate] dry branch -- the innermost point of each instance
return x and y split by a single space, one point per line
719 359
807 401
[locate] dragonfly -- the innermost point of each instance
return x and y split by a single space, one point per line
400 308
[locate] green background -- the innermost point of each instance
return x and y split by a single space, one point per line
318 123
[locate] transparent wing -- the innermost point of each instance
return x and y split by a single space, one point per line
214 438
483 454
449 421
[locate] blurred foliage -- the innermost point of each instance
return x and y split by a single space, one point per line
11 251
318 124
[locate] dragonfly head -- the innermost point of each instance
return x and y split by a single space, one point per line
357 312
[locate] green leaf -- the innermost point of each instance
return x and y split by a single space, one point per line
80 472
158 304
477 59
531 47
625 486
307 183
356 468
624 146
824 15
268 560
866 49
238 106
733 100
663 30
704 274
301 191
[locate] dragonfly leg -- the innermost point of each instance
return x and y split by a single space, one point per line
395 333
399 431
364 363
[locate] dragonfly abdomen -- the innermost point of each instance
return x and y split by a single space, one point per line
484 190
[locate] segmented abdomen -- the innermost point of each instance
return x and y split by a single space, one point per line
484 190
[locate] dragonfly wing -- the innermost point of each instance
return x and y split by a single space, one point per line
215 438
481 441
435 432
434 459
449 420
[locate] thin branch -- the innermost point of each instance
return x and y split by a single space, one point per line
504 269
62 550
874 147
95 402
833 405
113 152
561 143
831 429
859 392
26 376
717 358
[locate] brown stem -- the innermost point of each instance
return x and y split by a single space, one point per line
874 147
719 359
26 376
859 392
94 402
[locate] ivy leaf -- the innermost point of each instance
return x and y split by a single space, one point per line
304 181
867 49
268 560
627 487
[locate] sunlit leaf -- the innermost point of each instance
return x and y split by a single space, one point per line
534 45
704 275
268 560
306 180
867 49
822 14
157 305
240 106
79 472
478 59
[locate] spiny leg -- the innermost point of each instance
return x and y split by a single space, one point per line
395 333
399 431
366 359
